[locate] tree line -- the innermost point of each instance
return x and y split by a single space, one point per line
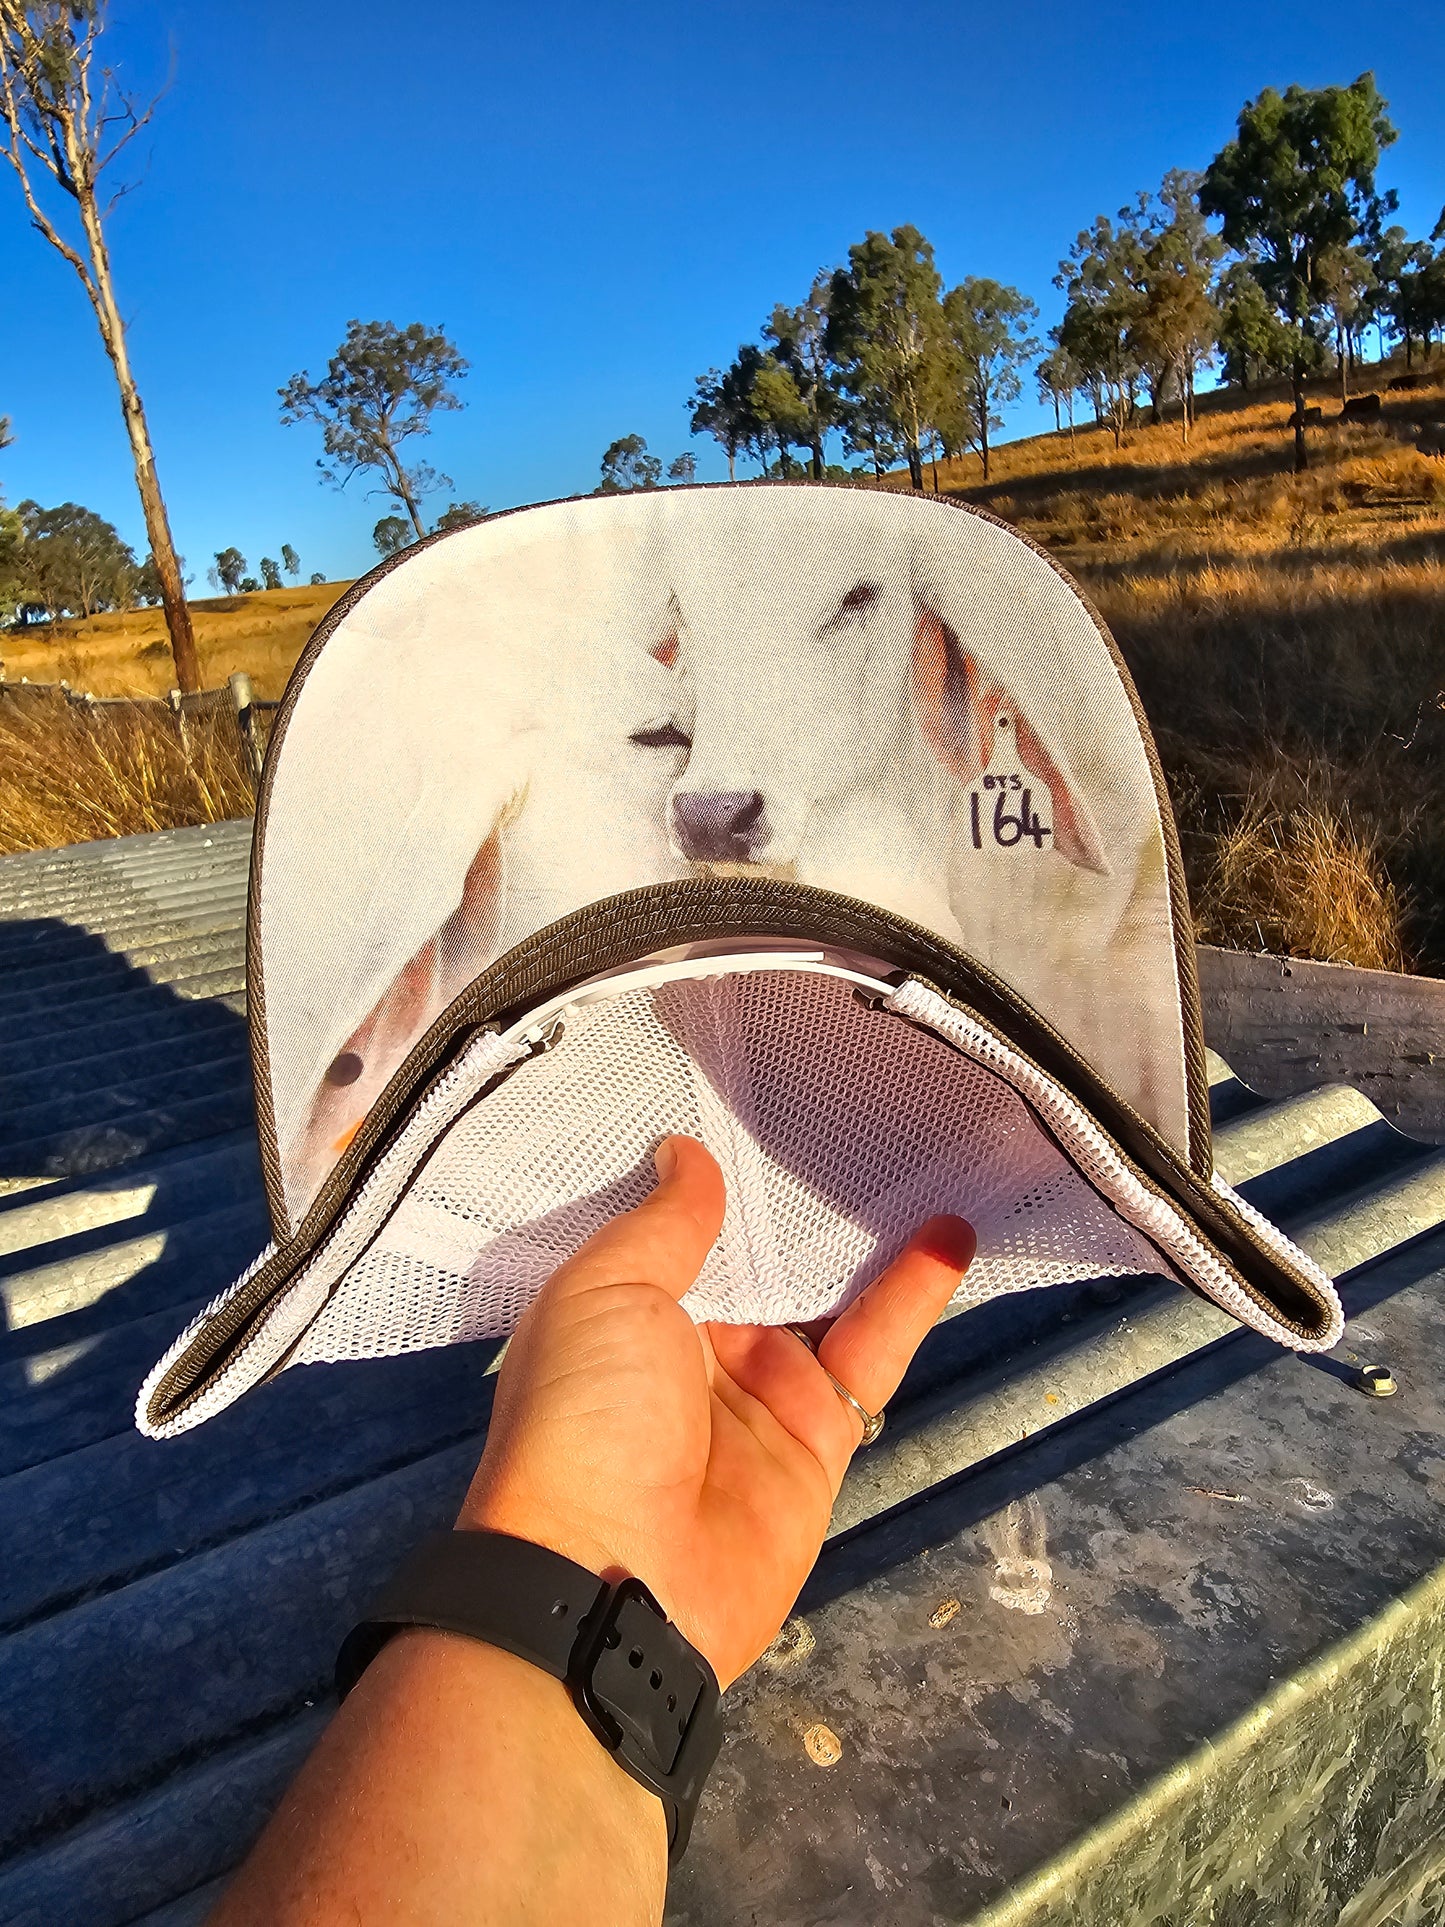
879 355
901 369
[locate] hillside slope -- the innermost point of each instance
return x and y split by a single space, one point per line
1288 638
129 655
1287 635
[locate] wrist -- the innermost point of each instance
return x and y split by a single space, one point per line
573 1801
492 1506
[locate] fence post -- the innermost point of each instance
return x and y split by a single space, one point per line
242 697
173 697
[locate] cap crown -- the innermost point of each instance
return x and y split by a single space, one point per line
862 691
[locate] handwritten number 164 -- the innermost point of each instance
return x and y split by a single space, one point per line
1009 826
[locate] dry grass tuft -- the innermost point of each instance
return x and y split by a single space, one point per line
69 775
1300 883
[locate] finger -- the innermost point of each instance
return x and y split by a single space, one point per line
770 1364
869 1346
666 1238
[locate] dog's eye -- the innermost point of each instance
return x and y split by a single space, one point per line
860 597
665 736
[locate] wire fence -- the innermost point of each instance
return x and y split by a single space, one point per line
233 712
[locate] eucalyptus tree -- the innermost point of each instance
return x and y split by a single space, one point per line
64 121
626 465
1296 185
990 324
887 336
722 405
799 337
1102 277
380 391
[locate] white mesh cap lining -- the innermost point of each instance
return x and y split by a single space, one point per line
839 1129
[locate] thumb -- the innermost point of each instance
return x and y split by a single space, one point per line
665 1239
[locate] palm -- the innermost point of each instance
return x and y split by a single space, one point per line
703 1459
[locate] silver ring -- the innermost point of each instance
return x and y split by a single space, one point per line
872 1421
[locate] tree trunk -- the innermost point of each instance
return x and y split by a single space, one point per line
818 462
408 500
158 528
1297 384
1058 424
1344 369
983 441
915 466
732 465
1409 358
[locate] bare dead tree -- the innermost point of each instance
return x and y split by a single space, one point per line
63 121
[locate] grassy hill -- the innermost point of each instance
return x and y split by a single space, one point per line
129 655
1287 635
1288 638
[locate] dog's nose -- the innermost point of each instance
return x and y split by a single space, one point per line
719 826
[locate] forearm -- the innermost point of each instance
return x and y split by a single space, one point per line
457 1783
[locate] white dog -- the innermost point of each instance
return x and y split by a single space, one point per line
869 695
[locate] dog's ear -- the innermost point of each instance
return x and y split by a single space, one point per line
959 707
421 990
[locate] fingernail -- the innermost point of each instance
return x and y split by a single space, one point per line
952 1241
665 1158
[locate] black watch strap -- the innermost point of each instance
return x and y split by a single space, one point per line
648 1695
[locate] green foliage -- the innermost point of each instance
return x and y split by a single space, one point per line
722 404
249 585
626 465
69 561
1410 287
800 345
1255 342
1103 278
780 411
869 430
886 335
989 324
459 515
1297 185
1178 323
682 468
317 577
392 534
270 572
230 568
290 560
11 577
1059 379
148 581
380 390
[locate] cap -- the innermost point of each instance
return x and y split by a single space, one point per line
819 822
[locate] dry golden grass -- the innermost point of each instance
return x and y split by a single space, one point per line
68 775
129 654
1300 881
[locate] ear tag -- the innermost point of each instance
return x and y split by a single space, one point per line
1008 807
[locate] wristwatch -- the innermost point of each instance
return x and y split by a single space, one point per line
649 1696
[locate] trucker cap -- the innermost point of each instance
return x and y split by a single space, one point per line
819 822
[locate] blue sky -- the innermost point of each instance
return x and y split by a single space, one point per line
598 202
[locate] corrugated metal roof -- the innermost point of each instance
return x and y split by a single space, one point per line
170 1613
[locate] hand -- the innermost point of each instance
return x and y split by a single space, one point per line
703 1460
